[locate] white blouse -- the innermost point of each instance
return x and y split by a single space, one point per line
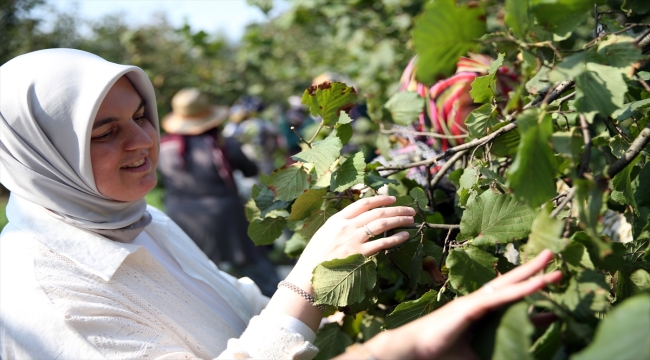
68 293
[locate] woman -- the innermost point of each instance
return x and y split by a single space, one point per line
87 270
197 164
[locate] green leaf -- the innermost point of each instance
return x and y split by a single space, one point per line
443 33
295 245
513 334
252 212
628 324
630 109
306 203
506 144
492 218
315 221
577 257
343 132
637 6
623 193
405 107
562 16
341 282
518 17
331 341
344 118
350 173
484 88
289 182
600 89
640 281
470 268
322 154
586 294
547 345
376 181
545 234
266 231
619 51
590 202
532 174
265 202
479 120
328 100
408 311
420 197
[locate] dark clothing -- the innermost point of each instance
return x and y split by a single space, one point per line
202 199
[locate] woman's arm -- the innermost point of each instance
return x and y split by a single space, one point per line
441 334
341 236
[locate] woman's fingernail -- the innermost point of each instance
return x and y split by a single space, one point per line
403 234
392 197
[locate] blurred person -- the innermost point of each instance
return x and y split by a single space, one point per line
297 117
89 271
197 164
449 104
258 136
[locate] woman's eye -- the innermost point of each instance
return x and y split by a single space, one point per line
139 119
102 137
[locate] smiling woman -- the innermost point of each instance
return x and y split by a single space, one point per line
124 145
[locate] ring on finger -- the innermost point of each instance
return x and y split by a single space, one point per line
488 288
370 234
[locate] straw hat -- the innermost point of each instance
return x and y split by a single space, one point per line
192 114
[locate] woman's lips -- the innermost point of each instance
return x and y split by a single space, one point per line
138 165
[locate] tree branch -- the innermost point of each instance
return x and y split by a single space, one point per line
586 156
637 145
443 170
451 151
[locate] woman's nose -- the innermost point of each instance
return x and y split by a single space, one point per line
138 136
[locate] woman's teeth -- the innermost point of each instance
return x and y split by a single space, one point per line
135 164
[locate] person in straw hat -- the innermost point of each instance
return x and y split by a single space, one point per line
197 165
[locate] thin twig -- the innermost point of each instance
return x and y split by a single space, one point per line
383 130
549 98
643 83
549 45
431 226
443 170
632 152
451 151
586 156
569 196
303 140
320 127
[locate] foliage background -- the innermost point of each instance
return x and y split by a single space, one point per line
577 140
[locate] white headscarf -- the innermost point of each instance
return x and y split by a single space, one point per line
48 103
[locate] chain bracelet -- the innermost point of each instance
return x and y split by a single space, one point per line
302 293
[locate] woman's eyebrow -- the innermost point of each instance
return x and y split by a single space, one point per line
142 104
102 122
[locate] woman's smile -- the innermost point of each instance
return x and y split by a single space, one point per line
137 165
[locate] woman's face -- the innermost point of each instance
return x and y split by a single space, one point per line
124 145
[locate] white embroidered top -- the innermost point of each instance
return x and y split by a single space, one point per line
67 293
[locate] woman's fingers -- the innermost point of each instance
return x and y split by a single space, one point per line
380 213
516 291
377 227
524 271
359 207
373 247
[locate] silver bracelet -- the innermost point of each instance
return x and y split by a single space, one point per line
302 293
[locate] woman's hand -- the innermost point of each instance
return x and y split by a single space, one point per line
341 236
443 333
344 234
